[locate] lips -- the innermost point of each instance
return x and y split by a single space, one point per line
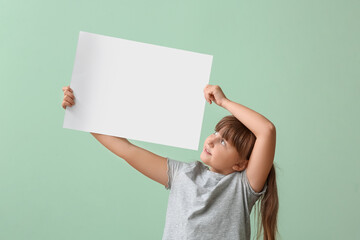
205 150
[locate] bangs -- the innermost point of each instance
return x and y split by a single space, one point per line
237 134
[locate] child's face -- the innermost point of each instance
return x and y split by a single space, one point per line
223 157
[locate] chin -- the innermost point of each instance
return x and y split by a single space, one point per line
204 160
201 158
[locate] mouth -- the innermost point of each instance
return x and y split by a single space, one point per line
205 150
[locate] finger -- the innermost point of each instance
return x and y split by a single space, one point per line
69 99
67 88
211 97
70 94
66 104
207 87
206 97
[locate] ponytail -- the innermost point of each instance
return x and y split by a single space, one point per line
244 140
269 206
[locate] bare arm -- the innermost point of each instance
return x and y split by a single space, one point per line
254 121
262 156
146 162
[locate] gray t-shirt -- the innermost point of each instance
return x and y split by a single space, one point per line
204 205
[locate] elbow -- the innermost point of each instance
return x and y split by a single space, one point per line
272 127
269 130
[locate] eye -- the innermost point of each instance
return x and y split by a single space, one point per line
222 140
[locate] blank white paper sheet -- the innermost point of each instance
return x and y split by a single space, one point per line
138 91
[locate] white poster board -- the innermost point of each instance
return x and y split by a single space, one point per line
138 91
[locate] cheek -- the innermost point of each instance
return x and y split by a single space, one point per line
220 156
217 152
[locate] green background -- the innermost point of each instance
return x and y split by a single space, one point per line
295 62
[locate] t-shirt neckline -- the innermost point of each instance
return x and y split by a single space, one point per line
215 174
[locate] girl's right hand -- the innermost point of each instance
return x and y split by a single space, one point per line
68 97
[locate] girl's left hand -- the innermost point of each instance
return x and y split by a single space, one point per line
214 93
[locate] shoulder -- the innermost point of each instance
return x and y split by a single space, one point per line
180 165
248 187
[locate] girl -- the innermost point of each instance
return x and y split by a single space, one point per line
213 201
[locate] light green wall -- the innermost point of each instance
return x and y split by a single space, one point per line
295 62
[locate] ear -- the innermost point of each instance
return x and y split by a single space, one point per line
240 166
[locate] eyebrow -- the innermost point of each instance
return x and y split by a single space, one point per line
220 135
222 138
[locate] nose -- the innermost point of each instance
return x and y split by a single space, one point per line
211 140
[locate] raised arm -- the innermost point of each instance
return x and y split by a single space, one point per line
262 156
148 163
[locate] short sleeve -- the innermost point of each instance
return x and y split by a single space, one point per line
249 190
173 168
